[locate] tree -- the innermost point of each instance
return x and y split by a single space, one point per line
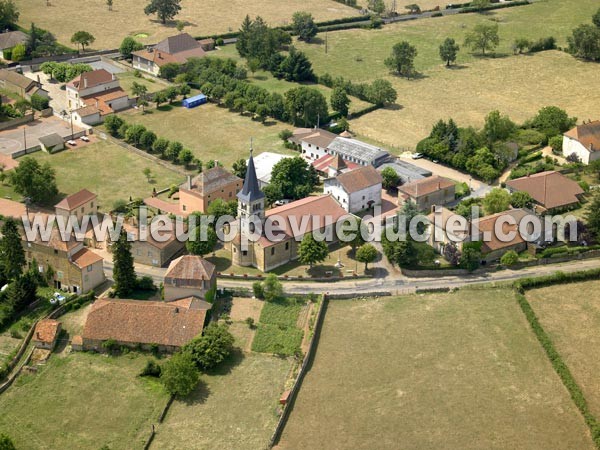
391 180
498 127
128 46
521 45
9 14
160 146
402 252
483 37
22 292
204 241
6 443
306 106
220 208
239 168
164 9
471 256
109 3
496 201
521 199
184 90
596 18
377 6
123 270
449 50
381 92
304 26
592 217
179 375
480 5
147 139
510 258
452 254
291 178
212 348
169 71
413 8
22 105
134 133
312 251
180 25
552 121
159 98
272 288
583 43
295 67
139 90
82 38
19 52
366 253
556 143
339 101
12 255
147 173
253 65
185 157
402 59
35 181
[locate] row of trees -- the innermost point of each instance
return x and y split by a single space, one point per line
64 72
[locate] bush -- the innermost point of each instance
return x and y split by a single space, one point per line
250 322
152 369
219 42
146 283
111 346
39 103
257 289
510 258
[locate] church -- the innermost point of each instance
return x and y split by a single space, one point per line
290 222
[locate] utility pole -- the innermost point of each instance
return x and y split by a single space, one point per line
24 138
71 116
326 42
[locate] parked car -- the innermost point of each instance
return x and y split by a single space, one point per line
283 201
416 155
57 298
85 139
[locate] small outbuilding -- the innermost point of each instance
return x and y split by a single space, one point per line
46 334
52 143
197 100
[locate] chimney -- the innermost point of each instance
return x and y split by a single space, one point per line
189 182
216 163
97 104
85 83
38 80
176 310
38 336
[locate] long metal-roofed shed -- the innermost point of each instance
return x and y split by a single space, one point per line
194 101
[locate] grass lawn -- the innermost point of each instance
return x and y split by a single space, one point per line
277 331
109 28
573 324
127 79
212 132
267 81
235 408
459 370
82 401
107 169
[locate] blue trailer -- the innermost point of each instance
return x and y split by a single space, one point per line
197 100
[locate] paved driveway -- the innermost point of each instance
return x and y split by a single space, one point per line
58 96
12 140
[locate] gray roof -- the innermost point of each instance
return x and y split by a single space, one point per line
51 140
176 44
16 78
212 180
352 148
406 171
12 38
250 192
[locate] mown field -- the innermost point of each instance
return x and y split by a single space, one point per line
459 370
212 132
573 324
109 170
64 17
82 401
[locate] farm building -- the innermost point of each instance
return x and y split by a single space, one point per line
197 100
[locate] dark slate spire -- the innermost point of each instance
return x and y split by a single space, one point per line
250 191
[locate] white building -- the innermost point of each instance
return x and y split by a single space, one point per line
358 152
357 190
583 141
313 142
264 164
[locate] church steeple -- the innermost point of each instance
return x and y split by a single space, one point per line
251 200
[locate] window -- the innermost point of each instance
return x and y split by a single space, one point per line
55 252
149 254
272 251
245 252
90 268
82 209
230 194
287 245
184 207
92 205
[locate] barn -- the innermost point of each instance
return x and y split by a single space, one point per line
197 100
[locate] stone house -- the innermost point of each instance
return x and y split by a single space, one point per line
9 39
190 276
19 84
427 192
46 334
82 203
357 190
312 142
197 193
583 141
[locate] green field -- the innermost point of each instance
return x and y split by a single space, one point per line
233 409
212 132
82 401
453 371
128 78
573 324
201 18
109 170
277 330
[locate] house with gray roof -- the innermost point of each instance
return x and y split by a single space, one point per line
9 39
357 151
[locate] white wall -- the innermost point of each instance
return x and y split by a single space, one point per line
571 146
311 152
357 201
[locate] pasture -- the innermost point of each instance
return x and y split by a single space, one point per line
108 170
82 401
211 132
64 17
460 370
573 324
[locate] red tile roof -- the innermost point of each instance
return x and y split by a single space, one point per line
359 179
93 78
46 331
550 189
74 201
322 164
189 271
144 322
587 134
84 258
426 186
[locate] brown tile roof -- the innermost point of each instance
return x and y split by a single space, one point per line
359 179
46 331
101 100
135 232
426 186
77 340
316 136
84 258
56 242
174 49
93 78
162 205
212 180
12 38
87 110
588 134
549 189
322 164
145 322
189 271
176 44
74 201
487 225
16 78
312 211
338 163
